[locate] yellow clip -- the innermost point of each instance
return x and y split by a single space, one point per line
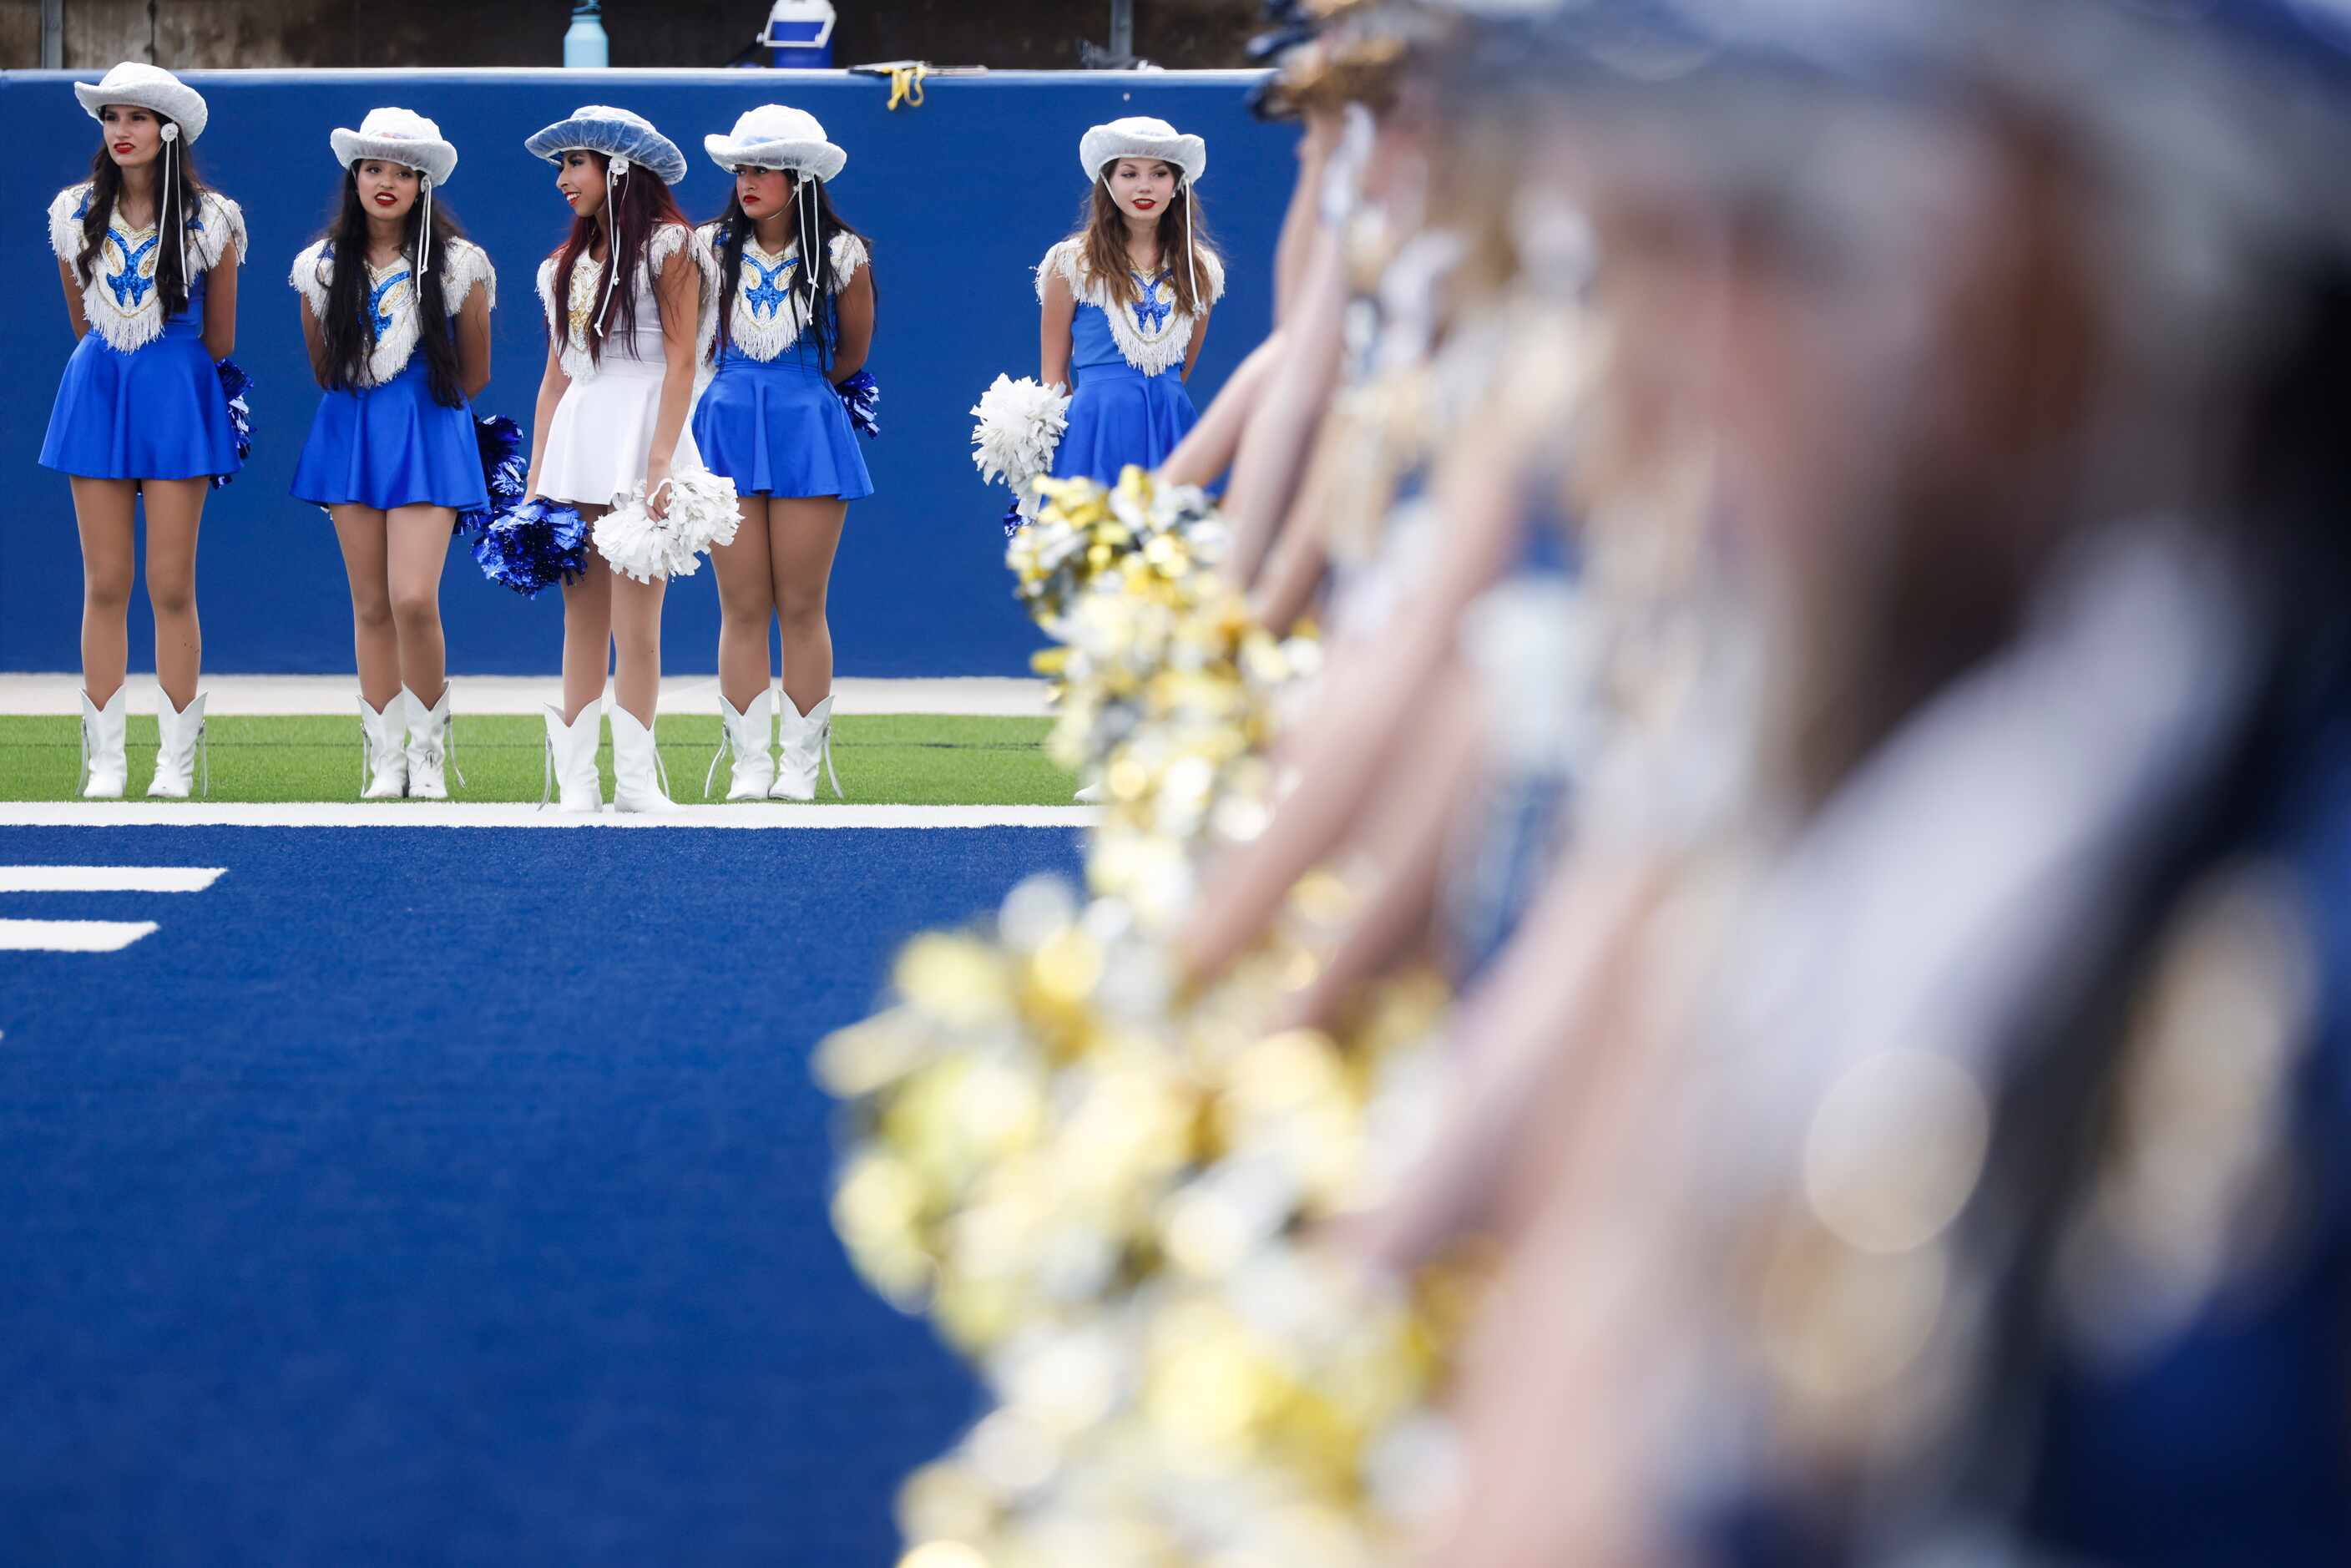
906 85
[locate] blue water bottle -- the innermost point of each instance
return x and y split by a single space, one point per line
585 48
800 34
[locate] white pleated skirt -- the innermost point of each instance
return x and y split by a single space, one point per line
602 432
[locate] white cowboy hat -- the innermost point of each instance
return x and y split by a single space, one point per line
614 133
776 136
1139 136
147 87
397 136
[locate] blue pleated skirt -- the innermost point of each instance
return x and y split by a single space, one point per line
391 446
777 427
156 412
1119 415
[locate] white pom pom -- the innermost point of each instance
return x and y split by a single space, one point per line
628 537
1020 425
701 512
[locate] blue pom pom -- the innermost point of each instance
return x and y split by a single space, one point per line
1013 521
234 386
499 440
533 545
861 395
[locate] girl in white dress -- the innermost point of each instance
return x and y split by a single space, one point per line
625 297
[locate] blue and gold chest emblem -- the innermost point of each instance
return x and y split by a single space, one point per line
133 280
1151 311
764 287
389 290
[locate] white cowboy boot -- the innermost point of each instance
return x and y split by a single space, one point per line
383 769
748 735
431 746
175 758
571 759
640 782
804 739
103 770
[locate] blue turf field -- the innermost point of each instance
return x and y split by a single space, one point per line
457 1196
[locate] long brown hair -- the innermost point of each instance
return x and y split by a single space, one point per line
1101 234
349 327
177 192
643 205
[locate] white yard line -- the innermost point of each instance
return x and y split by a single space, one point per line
981 695
108 878
72 935
462 814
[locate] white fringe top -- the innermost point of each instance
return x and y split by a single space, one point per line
766 322
584 301
120 298
1151 333
392 296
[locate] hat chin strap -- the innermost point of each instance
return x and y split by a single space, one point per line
424 226
804 199
1191 267
171 135
615 170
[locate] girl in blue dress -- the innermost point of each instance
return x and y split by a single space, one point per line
147 260
789 332
396 314
1126 299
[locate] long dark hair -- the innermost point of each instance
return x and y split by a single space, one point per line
735 228
177 193
349 326
1101 234
642 205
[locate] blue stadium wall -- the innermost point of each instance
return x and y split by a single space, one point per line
961 195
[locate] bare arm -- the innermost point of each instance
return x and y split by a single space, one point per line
1199 336
314 339
1305 214
1286 588
680 292
220 307
1375 690
474 341
856 305
1274 448
1060 308
552 385
75 314
1209 450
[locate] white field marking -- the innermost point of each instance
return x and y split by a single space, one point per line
337 696
108 878
72 935
465 814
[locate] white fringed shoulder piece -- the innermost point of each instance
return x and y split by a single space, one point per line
667 241
313 277
848 254
466 266
1212 268
544 284
66 209
219 228
1065 259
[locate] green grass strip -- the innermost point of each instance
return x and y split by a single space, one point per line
894 759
